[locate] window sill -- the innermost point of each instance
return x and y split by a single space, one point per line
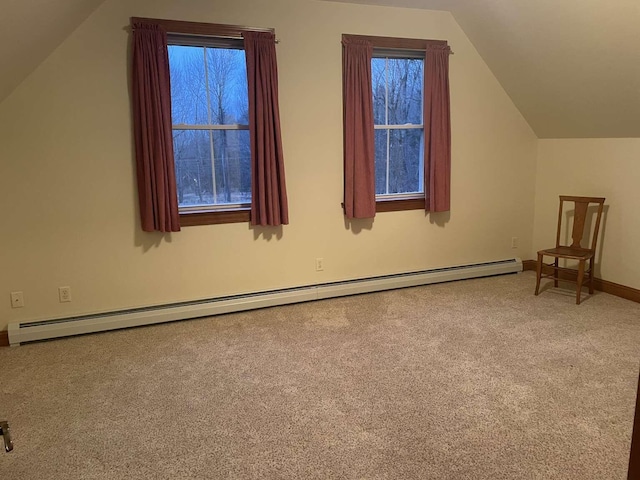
399 205
215 217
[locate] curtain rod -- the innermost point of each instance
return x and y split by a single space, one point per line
129 29
184 28
226 37
421 50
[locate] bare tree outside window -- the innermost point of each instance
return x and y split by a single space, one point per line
397 112
210 114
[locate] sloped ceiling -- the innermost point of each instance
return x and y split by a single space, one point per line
30 30
572 67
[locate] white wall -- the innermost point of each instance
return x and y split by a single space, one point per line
67 186
607 168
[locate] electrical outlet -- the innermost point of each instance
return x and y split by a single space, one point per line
319 264
64 294
17 300
514 242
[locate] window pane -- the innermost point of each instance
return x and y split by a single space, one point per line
380 143
204 179
401 171
232 166
379 90
404 86
192 154
188 86
224 102
227 73
397 90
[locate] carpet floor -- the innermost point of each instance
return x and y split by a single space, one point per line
477 379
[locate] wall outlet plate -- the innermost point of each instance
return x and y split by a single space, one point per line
64 294
17 300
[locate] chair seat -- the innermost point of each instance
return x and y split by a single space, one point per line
568 252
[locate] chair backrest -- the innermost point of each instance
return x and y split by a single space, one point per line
579 219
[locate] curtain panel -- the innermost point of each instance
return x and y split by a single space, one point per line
358 136
437 129
269 196
151 92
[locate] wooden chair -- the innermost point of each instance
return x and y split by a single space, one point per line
574 251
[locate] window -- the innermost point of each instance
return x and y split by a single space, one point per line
195 164
210 123
210 117
397 112
397 136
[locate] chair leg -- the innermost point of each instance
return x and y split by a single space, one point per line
591 276
538 273
580 279
555 273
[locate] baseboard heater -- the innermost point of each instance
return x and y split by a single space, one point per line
23 332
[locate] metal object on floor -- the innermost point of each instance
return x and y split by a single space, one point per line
6 436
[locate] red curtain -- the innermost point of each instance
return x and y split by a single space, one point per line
269 194
359 160
437 129
152 130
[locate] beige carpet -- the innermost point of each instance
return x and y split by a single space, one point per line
468 380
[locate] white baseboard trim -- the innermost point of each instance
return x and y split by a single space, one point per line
22 332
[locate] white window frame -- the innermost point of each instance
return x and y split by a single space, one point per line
400 54
209 42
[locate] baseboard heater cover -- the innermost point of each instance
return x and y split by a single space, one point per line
23 332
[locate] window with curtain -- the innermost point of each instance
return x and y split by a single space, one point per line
210 123
396 125
206 125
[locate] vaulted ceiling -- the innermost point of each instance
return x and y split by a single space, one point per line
30 30
572 67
